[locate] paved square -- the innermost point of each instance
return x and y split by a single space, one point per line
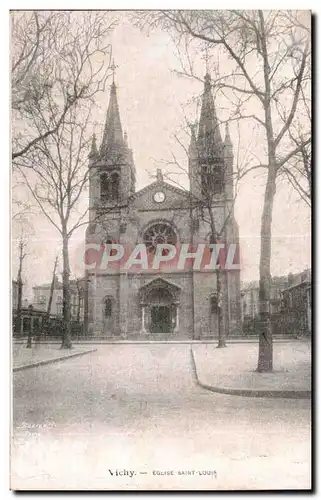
137 407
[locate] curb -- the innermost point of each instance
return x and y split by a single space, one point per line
252 393
50 361
147 342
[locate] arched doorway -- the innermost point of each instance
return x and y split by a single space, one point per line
160 307
161 310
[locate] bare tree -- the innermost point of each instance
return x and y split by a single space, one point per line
205 198
21 209
58 61
268 56
61 61
298 170
58 181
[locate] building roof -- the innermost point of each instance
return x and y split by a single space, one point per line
47 286
305 283
209 136
113 134
161 184
282 282
251 285
58 285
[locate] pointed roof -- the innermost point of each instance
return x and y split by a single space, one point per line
113 135
227 135
209 138
193 144
93 150
228 146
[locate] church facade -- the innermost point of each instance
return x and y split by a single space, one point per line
174 302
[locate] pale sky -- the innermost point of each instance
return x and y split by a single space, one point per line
151 97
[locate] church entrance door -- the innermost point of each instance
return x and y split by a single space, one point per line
160 319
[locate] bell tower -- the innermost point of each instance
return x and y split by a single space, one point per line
208 155
112 173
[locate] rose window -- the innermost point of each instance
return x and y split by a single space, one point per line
159 234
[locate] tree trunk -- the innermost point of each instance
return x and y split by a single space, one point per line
78 308
86 291
218 272
78 301
29 341
66 342
19 306
20 285
265 361
220 310
52 287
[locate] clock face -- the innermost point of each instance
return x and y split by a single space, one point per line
159 197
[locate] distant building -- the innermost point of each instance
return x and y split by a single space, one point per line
27 316
250 300
278 284
41 295
296 301
290 302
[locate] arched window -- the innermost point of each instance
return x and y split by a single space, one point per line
114 186
212 177
109 186
107 307
218 177
158 234
104 187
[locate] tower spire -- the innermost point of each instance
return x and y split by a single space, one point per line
193 144
93 150
113 135
227 140
206 59
209 135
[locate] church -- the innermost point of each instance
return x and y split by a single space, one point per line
170 303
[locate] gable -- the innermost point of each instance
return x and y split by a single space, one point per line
173 197
160 282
